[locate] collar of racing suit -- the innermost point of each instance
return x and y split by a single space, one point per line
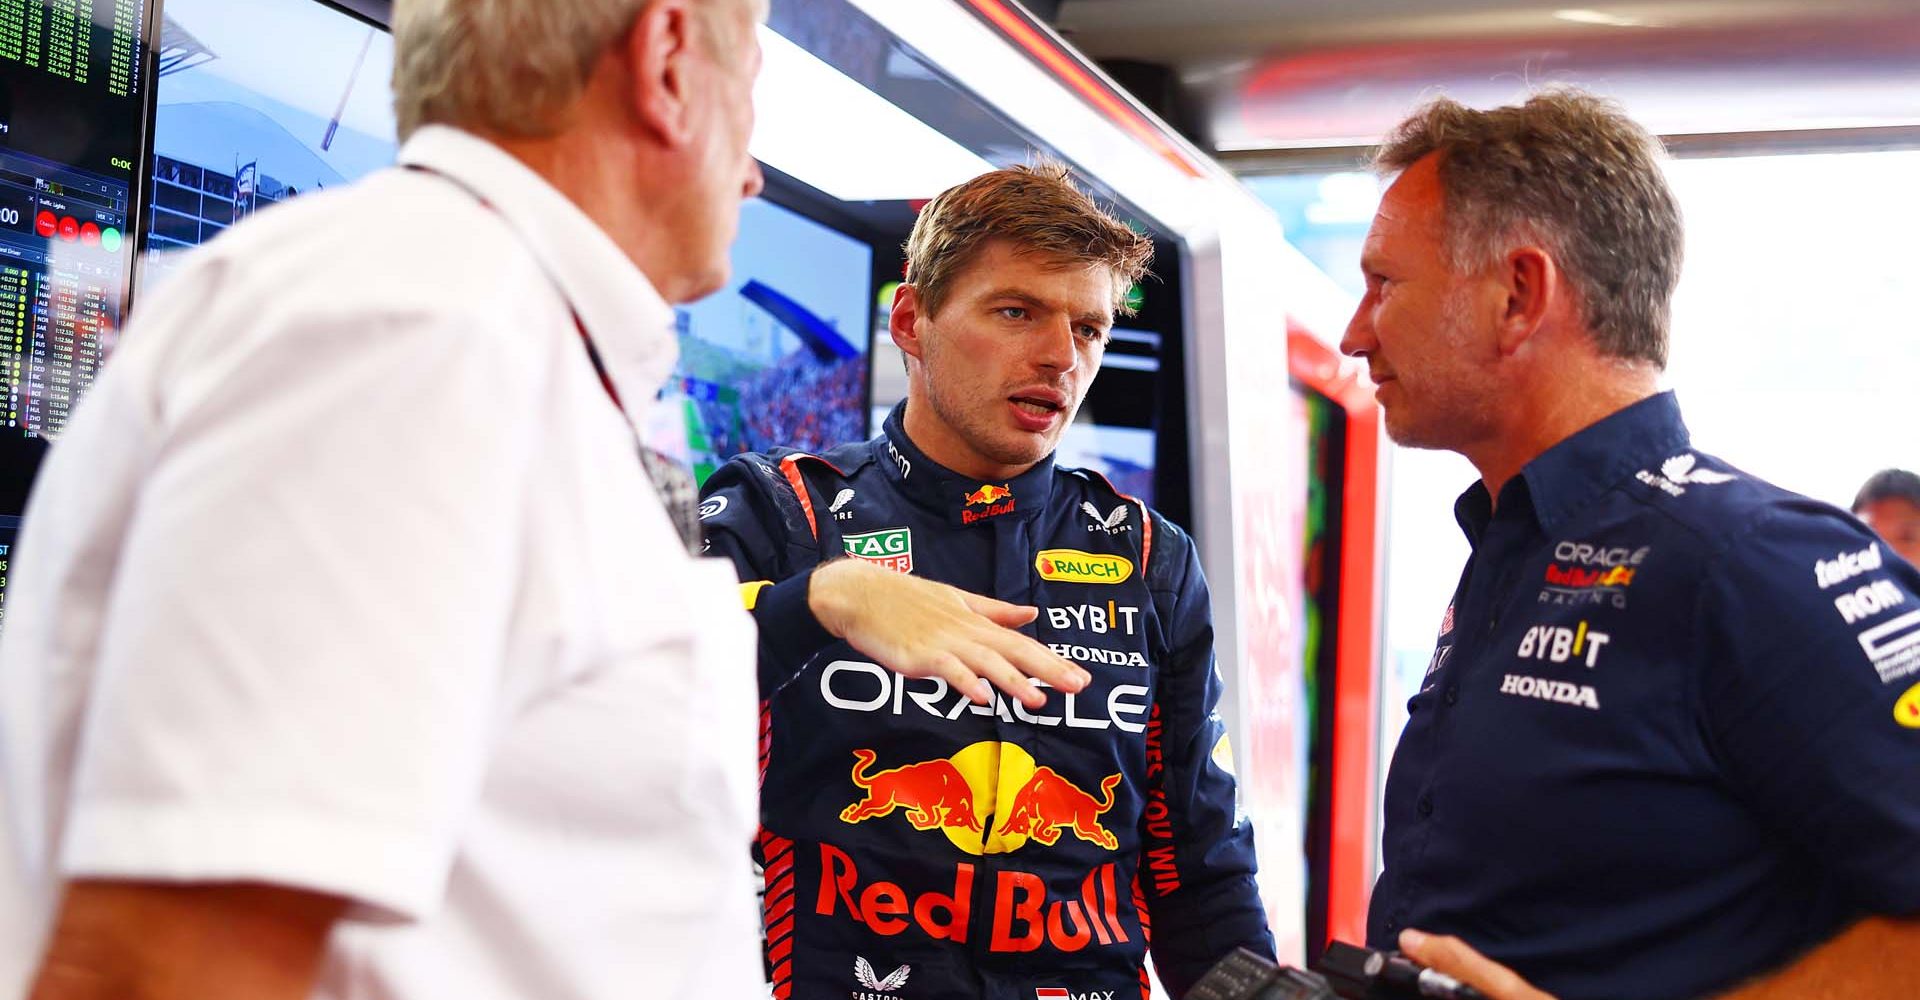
962 500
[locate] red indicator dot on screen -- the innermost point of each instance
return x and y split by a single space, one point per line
89 234
69 228
45 224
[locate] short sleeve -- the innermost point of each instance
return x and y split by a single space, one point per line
1809 695
304 643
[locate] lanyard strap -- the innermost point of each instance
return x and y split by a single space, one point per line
671 479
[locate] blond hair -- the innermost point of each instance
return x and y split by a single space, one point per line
1035 208
1569 170
512 67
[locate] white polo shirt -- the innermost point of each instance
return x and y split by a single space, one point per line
346 576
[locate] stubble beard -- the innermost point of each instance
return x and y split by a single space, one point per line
1453 410
964 409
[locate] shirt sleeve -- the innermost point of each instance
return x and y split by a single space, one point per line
301 656
1197 875
1811 695
750 516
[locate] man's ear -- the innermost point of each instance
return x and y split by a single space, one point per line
904 321
658 48
1531 280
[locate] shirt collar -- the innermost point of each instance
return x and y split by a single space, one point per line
631 325
1571 474
961 499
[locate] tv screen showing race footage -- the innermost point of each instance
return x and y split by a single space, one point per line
777 357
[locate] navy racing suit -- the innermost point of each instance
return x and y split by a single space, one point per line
919 847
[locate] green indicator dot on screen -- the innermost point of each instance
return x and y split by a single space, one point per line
1136 297
110 239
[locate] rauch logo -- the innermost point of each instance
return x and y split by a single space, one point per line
1075 566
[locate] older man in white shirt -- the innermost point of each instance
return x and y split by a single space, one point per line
353 652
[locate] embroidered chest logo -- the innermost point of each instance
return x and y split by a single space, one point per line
1096 618
1113 523
997 500
1558 644
890 547
712 506
838 508
1075 566
1582 573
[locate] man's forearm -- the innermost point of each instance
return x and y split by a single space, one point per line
1875 959
149 941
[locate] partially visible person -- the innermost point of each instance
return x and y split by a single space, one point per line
358 651
1668 745
1889 503
1036 847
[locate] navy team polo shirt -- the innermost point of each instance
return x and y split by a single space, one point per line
1670 735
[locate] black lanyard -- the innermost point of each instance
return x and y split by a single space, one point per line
670 478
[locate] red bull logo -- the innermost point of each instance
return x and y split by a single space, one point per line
1026 917
988 495
989 798
1048 803
997 499
933 793
1575 576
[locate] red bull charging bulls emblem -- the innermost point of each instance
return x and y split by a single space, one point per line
989 798
933 792
997 500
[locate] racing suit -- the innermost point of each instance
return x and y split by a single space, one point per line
917 846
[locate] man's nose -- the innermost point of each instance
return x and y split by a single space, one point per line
755 180
1359 341
1054 349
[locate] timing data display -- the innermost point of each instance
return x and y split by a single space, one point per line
777 357
9 530
258 102
70 118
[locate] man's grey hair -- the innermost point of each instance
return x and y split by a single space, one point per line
511 67
1571 172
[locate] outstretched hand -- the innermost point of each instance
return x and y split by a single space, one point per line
920 628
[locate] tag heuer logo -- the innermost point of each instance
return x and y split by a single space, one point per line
890 547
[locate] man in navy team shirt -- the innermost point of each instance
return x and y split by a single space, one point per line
1668 744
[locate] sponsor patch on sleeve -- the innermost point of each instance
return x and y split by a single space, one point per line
1893 646
1906 711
